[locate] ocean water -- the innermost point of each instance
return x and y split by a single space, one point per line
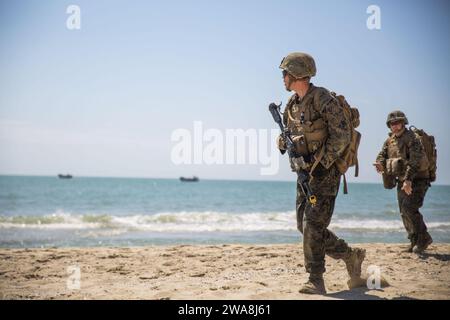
51 212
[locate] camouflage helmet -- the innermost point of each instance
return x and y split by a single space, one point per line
396 115
299 65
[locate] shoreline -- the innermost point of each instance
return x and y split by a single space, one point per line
229 271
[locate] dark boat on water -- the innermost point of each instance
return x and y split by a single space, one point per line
65 176
193 179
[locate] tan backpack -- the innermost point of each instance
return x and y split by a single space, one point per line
349 157
429 146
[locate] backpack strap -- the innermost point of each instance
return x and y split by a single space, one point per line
345 185
318 108
316 101
316 163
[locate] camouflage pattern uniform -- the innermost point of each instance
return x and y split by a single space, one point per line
320 133
408 147
312 222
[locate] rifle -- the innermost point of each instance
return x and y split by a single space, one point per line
297 162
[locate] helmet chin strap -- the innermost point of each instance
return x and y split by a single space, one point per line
289 83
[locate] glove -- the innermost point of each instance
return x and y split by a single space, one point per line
300 163
281 144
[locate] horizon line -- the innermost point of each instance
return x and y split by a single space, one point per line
172 178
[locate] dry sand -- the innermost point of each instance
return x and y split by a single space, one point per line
213 272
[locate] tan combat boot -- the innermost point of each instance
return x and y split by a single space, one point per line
413 242
314 285
353 263
422 243
410 248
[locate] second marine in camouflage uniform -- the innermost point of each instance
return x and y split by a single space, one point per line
403 162
319 131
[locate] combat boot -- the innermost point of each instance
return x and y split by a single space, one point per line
314 285
411 246
409 249
413 239
422 243
354 261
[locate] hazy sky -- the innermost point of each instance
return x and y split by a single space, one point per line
105 99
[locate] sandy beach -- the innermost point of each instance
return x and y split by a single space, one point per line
212 272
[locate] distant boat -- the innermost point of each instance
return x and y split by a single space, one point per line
193 179
65 176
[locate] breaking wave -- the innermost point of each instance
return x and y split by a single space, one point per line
197 222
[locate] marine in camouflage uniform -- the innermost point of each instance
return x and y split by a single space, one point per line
320 134
402 160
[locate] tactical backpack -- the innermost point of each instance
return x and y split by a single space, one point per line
349 157
429 146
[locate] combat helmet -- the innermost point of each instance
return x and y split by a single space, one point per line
299 65
396 115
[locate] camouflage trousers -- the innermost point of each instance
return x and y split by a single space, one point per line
313 222
409 209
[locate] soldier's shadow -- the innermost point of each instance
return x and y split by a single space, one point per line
362 294
437 256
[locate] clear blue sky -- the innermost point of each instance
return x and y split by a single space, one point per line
104 100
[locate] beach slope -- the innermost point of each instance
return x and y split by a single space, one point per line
212 272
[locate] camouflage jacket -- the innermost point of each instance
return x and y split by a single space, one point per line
326 107
408 148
